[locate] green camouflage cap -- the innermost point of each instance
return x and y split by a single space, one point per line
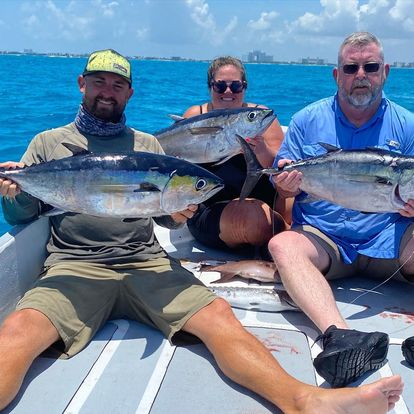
108 61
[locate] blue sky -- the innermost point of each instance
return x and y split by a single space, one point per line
204 29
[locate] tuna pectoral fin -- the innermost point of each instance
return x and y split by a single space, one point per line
254 169
147 187
223 160
53 212
205 130
329 147
130 188
75 149
176 118
361 178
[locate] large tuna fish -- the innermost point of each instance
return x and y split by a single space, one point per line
211 137
371 180
135 184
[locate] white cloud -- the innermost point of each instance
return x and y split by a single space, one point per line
54 20
31 22
205 28
205 21
402 14
106 9
374 6
264 22
335 18
200 14
386 18
142 33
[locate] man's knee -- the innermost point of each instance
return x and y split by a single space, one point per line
215 317
283 243
28 325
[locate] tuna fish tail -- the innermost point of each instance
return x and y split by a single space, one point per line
254 169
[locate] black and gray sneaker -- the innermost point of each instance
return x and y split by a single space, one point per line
347 354
407 348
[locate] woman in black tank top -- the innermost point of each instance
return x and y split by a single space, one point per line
223 221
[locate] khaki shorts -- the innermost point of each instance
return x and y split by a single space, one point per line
80 297
375 268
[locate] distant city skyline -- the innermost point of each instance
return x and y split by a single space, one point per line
204 29
255 56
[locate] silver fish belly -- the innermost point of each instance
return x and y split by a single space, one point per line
370 180
257 299
211 137
136 184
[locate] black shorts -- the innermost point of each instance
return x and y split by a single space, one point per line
205 225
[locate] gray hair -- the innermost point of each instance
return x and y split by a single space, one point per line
217 63
360 39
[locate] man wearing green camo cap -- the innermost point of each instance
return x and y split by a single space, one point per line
108 60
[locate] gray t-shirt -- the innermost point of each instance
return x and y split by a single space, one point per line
80 236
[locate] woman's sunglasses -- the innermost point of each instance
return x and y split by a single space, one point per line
235 86
352 68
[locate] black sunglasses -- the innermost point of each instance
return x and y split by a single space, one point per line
352 68
235 86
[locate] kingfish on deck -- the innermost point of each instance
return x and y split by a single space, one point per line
263 299
255 298
134 184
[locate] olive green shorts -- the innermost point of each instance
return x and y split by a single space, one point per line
373 267
79 297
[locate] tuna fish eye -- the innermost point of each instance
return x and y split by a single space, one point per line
251 116
200 184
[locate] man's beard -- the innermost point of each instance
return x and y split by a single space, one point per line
362 100
112 113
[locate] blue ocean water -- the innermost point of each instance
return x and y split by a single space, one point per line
40 92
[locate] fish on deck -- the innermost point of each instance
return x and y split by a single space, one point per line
258 299
134 184
260 270
272 298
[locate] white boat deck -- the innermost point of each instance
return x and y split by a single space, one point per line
131 368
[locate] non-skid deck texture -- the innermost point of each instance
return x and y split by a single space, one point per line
130 368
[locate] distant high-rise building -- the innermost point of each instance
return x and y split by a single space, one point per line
258 56
312 61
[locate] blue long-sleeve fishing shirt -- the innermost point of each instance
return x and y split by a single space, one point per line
391 128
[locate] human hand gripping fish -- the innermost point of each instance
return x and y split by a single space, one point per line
288 182
408 210
8 188
184 215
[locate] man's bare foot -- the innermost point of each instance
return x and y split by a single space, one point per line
376 398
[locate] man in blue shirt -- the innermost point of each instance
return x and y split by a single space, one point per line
328 241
